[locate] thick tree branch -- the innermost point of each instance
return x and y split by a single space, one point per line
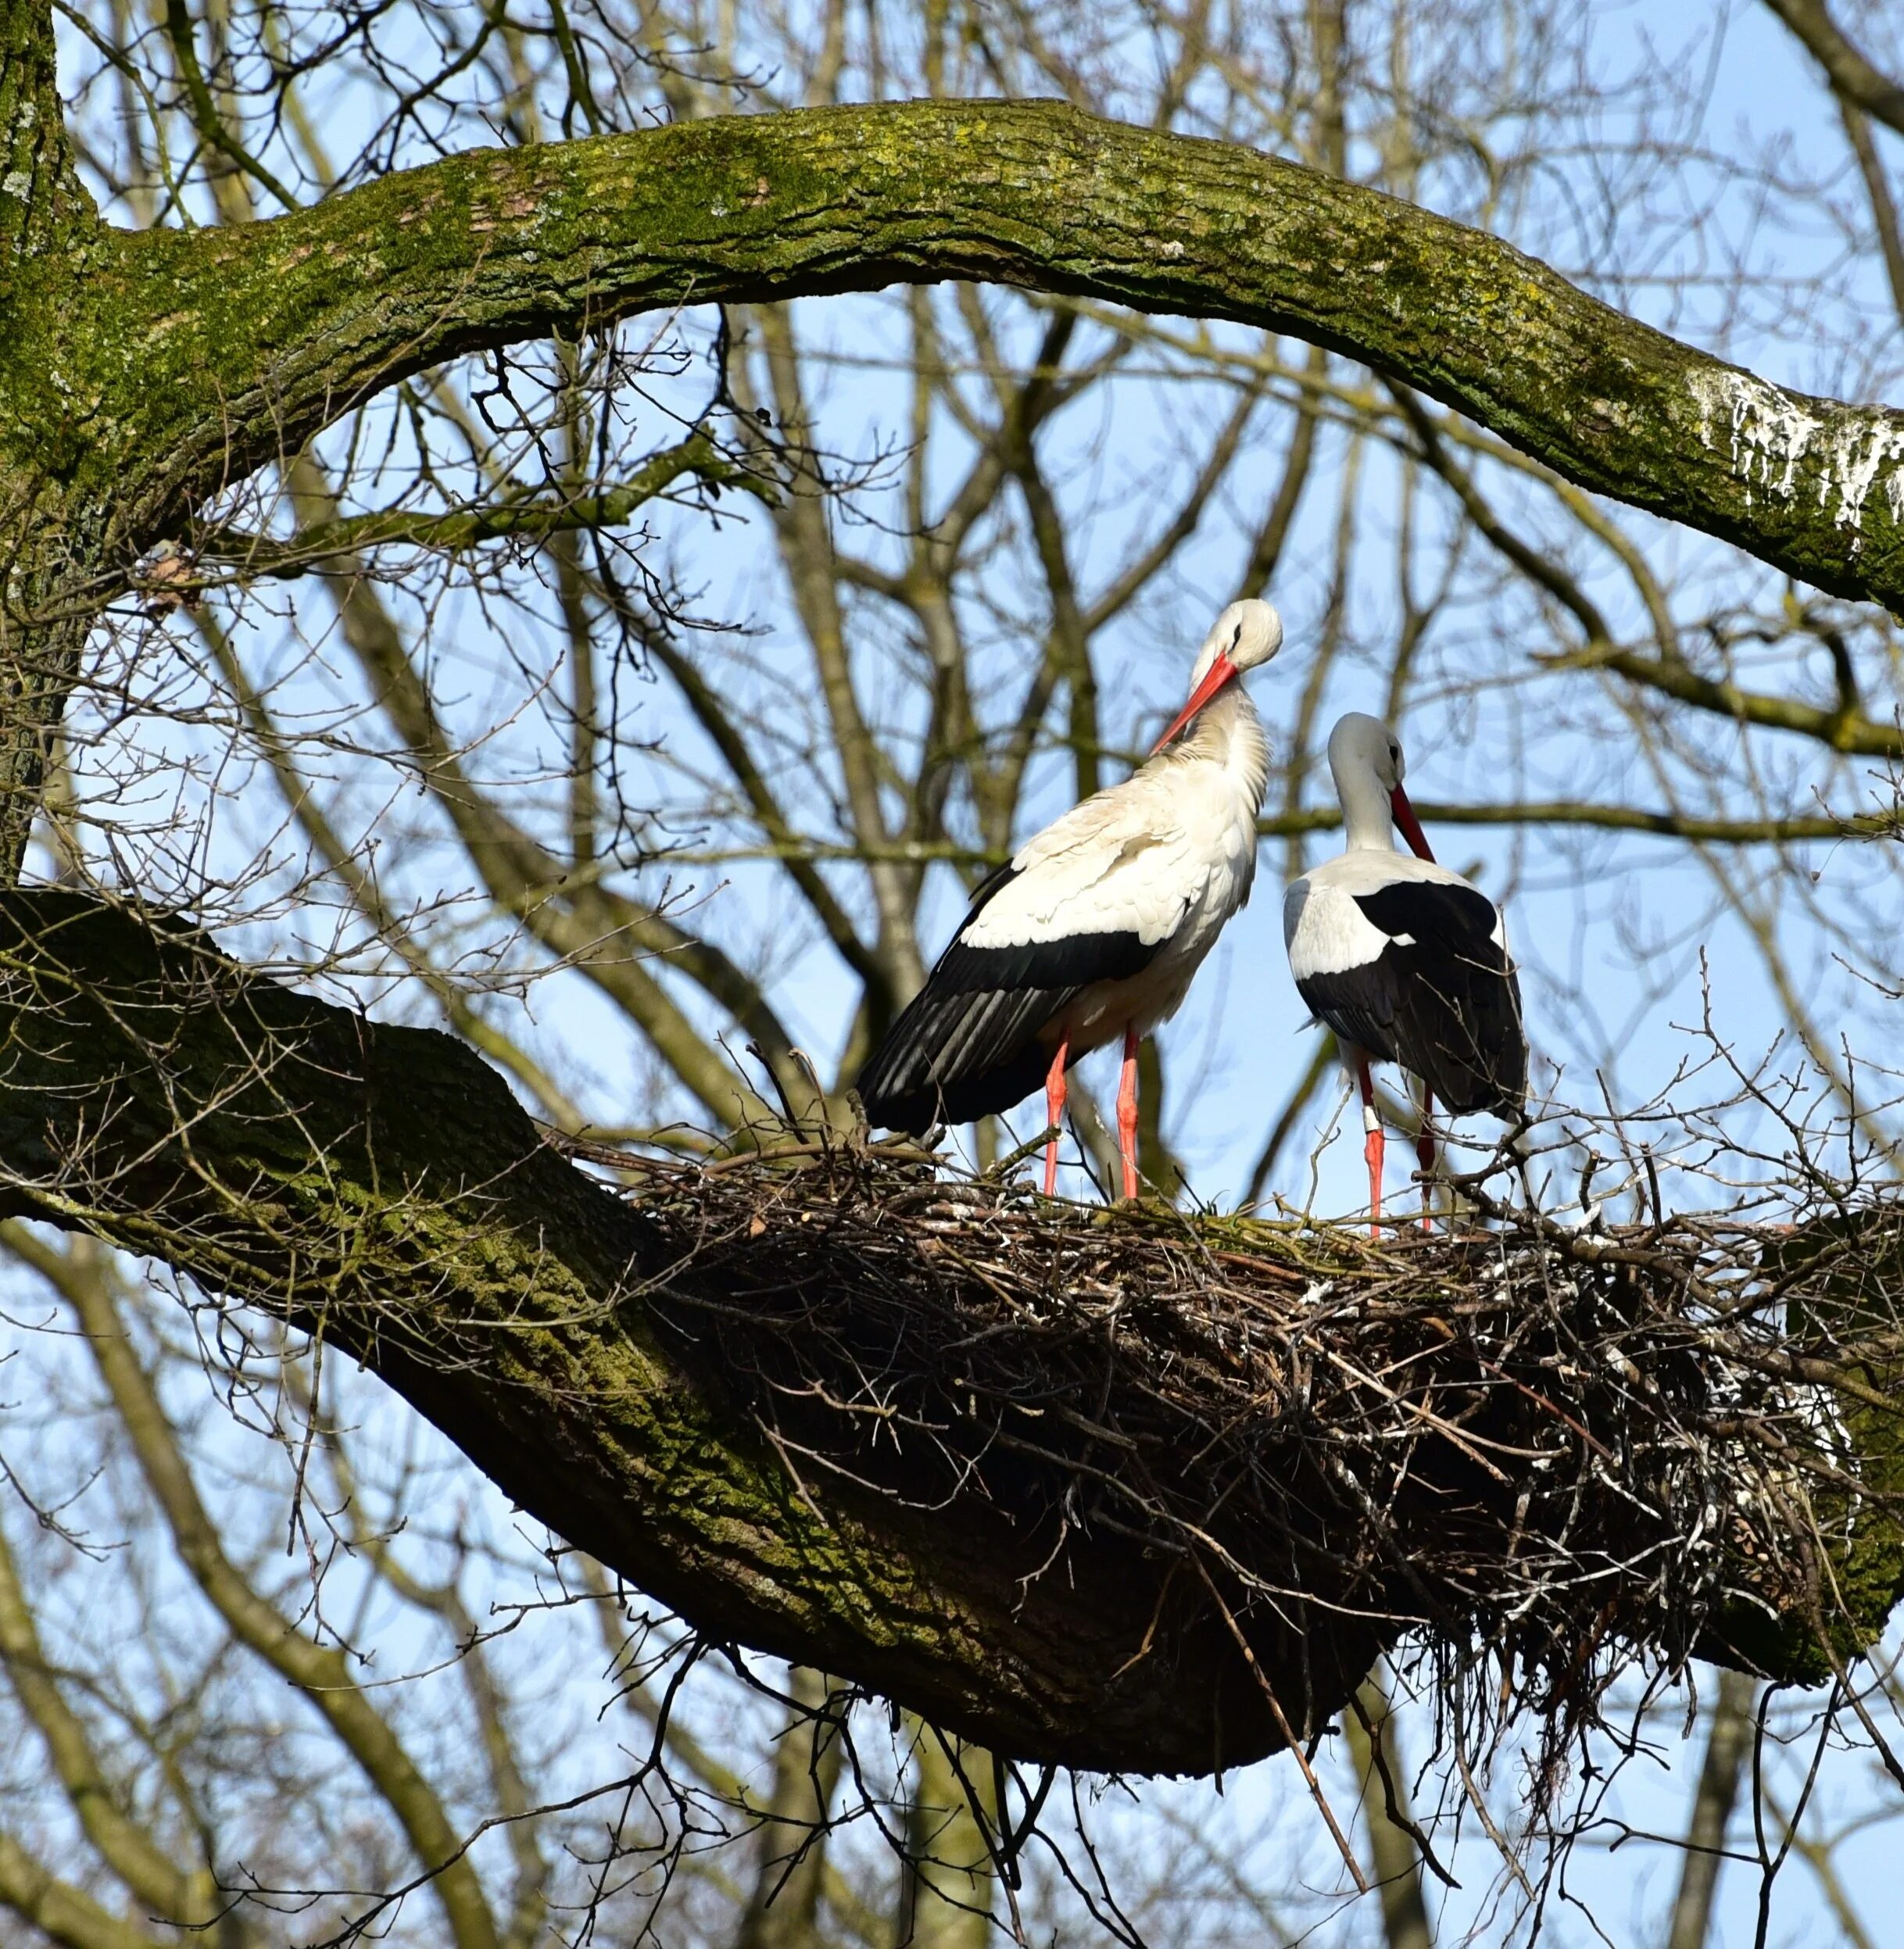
1852 77
141 372
379 1184
205 355
772 1418
47 227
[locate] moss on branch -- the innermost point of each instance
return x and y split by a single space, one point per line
1034 1471
195 357
141 374
379 1186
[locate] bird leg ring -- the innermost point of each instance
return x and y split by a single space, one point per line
1054 1083
1127 1114
1373 1146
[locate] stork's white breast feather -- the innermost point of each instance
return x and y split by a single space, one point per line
1171 850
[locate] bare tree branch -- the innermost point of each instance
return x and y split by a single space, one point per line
320 1671
1878 190
188 1898
347 539
572 914
1852 76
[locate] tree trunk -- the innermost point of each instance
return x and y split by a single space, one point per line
1726 1746
947 1897
783 1911
1397 1867
52 535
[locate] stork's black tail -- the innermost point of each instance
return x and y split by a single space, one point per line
971 1042
957 1054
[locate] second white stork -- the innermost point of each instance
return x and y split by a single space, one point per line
1406 961
1095 928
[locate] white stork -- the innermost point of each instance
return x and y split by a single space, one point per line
1404 959
1096 928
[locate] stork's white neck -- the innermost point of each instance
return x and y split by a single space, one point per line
1228 733
1367 814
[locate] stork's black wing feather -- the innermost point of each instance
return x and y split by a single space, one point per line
1442 998
967 1044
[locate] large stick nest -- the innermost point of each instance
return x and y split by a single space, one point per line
1562 1449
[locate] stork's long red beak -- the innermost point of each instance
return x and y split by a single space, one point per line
1411 827
1214 679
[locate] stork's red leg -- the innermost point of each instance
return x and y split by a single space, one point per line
1424 1152
1127 1114
1373 1145
1054 1084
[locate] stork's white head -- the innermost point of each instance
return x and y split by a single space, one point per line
1247 633
1365 761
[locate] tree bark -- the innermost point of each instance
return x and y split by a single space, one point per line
173 362
378 1184
625 1375
51 539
